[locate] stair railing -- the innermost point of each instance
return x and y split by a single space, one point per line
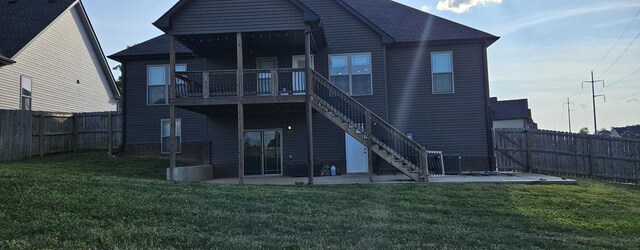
375 128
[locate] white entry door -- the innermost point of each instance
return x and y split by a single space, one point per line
357 155
299 78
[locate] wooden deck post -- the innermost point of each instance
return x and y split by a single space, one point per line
240 83
172 107
206 93
309 99
367 133
424 164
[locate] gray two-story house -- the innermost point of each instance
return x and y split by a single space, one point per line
385 83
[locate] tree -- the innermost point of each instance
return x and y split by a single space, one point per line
584 130
120 81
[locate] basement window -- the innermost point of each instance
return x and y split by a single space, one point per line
166 136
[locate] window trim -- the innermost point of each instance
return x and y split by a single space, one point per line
167 82
162 121
30 97
433 74
349 69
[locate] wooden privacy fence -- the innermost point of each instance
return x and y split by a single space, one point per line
574 154
25 133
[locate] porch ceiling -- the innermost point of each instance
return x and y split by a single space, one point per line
216 44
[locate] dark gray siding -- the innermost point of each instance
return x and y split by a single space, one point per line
206 16
223 133
345 34
142 121
454 123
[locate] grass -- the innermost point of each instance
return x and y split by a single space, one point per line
93 201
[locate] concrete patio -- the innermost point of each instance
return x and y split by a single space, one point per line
501 178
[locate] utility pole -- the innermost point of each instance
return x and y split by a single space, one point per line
593 96
569 112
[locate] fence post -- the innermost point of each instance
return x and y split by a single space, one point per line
528 138
110 132
75 132
41 134
591 162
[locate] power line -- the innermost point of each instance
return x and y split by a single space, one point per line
624 78
617 41
624 98
617 59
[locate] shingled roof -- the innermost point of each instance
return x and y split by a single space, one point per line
400 23
23 20
156 46
510 109
406 24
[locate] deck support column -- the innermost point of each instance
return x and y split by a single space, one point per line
172 107
368 125
240 86
309 99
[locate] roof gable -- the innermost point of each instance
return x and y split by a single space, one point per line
23 20
166 22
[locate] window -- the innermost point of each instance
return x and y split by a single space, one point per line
158 82
25 92
352 73
442 71
166 136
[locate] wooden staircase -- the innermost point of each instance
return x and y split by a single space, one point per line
369 129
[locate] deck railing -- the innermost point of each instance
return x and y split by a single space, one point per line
256 82
373 127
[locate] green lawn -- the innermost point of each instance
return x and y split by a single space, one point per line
94 201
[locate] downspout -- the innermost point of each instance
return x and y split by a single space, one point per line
488 115
386 84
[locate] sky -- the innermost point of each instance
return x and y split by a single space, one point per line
547 49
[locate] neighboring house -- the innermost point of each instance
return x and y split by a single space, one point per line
512 114
50 59
628 132
242 77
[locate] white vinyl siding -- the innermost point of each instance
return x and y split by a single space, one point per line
442 72
352 73
65 68
165 136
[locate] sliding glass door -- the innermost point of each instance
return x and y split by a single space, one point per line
263 152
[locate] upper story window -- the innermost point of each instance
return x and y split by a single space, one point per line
352 73
442 72
26 83
158 82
